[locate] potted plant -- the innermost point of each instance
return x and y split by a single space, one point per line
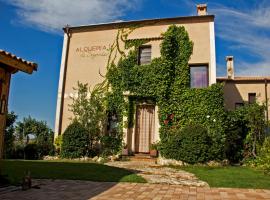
154 150
125 150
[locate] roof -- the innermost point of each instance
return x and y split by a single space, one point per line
144 21
14 61
245 78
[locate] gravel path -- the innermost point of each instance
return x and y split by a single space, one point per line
154 173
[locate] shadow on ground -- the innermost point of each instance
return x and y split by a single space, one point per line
62 179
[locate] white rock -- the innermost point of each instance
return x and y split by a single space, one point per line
164 161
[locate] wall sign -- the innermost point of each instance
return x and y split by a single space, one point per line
93 51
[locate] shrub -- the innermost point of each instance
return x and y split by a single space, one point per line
31 152
236 132
74 141
18 152
263 159
58 143
234 145
192 144
110 145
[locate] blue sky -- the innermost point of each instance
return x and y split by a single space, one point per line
32 29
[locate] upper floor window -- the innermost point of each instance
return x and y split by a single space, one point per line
144 55
251 97
199 76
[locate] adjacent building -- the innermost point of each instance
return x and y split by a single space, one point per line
240 90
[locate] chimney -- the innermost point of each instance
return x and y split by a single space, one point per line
230 67
202 9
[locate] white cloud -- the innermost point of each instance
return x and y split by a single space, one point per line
249 31
245 25
52 15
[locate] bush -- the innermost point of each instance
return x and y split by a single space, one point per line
74 141
31 152
236 132
110 145
58 143
191 144
18 152
234 145
263 159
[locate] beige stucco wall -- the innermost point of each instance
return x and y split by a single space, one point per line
237 92
87 66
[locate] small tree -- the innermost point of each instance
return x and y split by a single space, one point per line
89 110
74 141
42 135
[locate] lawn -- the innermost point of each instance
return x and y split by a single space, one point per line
15 169
234 177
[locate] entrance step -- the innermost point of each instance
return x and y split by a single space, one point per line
143 157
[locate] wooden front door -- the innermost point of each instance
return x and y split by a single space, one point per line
145 125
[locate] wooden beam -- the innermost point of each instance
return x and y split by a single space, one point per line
16 64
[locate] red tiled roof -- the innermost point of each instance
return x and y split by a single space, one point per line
31 64
245 78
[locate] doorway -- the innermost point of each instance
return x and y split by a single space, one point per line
145 125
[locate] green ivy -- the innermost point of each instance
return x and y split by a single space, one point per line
166 81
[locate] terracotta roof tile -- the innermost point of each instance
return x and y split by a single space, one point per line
31 64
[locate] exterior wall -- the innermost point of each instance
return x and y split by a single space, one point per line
89 51
237 92
5 81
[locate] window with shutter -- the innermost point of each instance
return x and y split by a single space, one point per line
144 55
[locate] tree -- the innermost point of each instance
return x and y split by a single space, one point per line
9 134
89 110
38 132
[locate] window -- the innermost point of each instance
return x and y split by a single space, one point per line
251 97
144 55
238 105
199 76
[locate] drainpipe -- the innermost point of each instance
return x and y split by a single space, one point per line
61 85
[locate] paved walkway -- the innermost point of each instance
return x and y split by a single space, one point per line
83 190
154 173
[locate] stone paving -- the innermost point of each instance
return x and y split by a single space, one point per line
83 190
154 173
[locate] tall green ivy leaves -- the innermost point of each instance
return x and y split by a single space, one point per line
166 81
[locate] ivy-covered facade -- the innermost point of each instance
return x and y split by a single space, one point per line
157 75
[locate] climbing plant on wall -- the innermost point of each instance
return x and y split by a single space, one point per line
166 81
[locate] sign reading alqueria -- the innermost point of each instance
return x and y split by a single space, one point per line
93 51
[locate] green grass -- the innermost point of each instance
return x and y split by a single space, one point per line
234 177
15 169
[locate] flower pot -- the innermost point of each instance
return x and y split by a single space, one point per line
153 153
124 152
